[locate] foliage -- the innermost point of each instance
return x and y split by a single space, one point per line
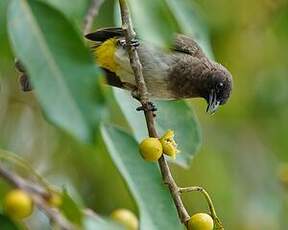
52 126
59 66
157 210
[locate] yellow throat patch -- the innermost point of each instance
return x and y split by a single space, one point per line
105 54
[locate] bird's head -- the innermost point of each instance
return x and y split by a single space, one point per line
217 88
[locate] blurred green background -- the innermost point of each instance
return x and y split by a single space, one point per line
244 145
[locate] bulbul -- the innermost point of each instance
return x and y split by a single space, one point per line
184 71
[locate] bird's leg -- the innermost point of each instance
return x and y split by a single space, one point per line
135 94
133 88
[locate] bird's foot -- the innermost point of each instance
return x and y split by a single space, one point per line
134 43
149 107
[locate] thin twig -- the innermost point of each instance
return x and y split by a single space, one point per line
91 13
209 202
38 196
12 157
19 182
144 100
133 55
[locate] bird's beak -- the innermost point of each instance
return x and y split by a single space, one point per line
213 103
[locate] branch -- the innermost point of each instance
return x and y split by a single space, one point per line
90 15
39 196
144 100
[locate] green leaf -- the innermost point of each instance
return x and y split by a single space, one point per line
61 69
178 116
75 12
70 209
97 222
153 20
155 204
7 224
105 16
175 115
187 15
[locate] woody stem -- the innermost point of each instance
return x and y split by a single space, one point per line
144 100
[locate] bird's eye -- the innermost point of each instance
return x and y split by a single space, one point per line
219 86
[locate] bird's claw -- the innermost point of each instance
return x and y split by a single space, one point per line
134 43
149 107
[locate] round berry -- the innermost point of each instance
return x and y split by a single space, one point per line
200 221
125 218
151 149
18 204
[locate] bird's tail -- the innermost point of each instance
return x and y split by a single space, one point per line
99 37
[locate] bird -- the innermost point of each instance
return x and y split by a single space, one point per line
181 72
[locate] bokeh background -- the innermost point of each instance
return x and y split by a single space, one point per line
243 158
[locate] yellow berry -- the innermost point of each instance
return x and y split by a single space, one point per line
200 221
125 218
55 200
169 144
151 149
18 204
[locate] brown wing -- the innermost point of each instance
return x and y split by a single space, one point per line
187 45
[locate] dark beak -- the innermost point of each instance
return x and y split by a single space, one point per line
213 103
